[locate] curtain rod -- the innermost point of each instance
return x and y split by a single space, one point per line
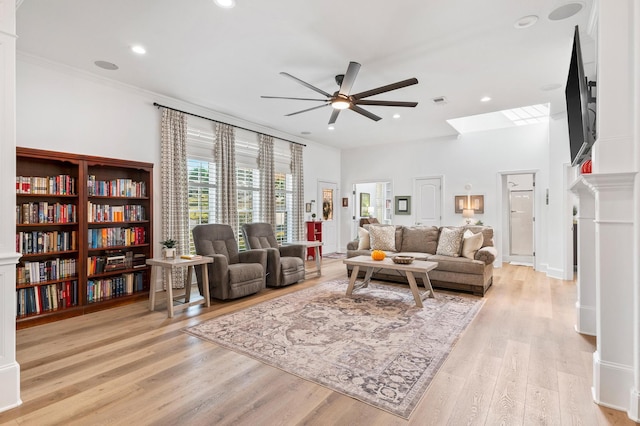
222 122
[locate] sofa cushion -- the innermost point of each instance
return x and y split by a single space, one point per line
420 239
364 242
383 237
450 242
460 265
487 234
471 243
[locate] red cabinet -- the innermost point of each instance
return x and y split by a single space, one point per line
314 233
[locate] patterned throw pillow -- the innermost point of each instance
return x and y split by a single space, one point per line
471 243
450 242
364 242
383 237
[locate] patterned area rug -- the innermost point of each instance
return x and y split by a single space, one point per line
376 346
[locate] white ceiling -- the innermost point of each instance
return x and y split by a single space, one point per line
225 59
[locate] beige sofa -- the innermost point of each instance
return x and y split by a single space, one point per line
454 271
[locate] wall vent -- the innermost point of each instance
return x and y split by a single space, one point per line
440 100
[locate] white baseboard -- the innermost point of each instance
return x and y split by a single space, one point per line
10 389
585 319
555 273
611 383
634 406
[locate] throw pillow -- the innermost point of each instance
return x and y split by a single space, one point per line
364 242
471 243
450 242
383 237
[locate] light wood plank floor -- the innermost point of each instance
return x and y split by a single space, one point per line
519 362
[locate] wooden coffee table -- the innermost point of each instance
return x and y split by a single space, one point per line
416 267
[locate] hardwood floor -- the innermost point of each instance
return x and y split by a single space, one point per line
519 362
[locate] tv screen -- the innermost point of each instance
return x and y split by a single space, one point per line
577 96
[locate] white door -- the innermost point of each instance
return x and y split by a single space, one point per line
521 222
328 196
428 205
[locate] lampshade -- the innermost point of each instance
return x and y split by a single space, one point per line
467 213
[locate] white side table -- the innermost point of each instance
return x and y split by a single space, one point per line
166 266
316 245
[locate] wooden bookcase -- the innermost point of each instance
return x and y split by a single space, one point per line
84 227
314 233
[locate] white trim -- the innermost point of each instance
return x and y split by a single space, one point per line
617 379
585 319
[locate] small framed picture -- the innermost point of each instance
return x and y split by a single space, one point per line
403 204
307 207
345 202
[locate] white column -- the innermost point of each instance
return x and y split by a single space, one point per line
9 368
586 284
615 166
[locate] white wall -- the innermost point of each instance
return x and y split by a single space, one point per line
475 158
63 109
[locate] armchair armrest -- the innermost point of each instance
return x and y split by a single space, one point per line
253 256
295 250
487 255
218 270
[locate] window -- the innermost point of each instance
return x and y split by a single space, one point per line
201 171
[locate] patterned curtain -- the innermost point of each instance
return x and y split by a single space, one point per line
174 185
298 192
225 156
267 181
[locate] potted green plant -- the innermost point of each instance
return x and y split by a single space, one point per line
169 248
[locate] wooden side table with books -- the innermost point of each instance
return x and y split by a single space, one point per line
166 266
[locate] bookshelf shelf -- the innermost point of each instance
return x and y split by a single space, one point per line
66 186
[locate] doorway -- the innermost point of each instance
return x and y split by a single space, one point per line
328 196
372 200
521 218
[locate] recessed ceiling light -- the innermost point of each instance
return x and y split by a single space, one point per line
525 21
140 50
485 99
106 65
396 116
331 128
565 11
225 4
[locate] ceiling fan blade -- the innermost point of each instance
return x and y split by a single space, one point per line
385 103
334 116
349 78
365 113
305 110
305 84
295 99
387 88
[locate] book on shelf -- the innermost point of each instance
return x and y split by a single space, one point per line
191 256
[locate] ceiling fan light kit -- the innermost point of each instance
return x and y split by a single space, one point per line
343 99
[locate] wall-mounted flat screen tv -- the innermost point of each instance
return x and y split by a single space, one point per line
581 135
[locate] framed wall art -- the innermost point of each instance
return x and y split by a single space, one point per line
403 204
365 203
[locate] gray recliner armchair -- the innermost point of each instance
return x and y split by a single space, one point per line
232 274
285 264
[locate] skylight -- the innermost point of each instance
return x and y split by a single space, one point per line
522 116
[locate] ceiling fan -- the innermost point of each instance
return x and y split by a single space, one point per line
343 99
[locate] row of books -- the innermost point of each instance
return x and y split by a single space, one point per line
111 237
36 242
108 288
116 187
108 213
48 270
44 212
43 298
113 262
54 185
